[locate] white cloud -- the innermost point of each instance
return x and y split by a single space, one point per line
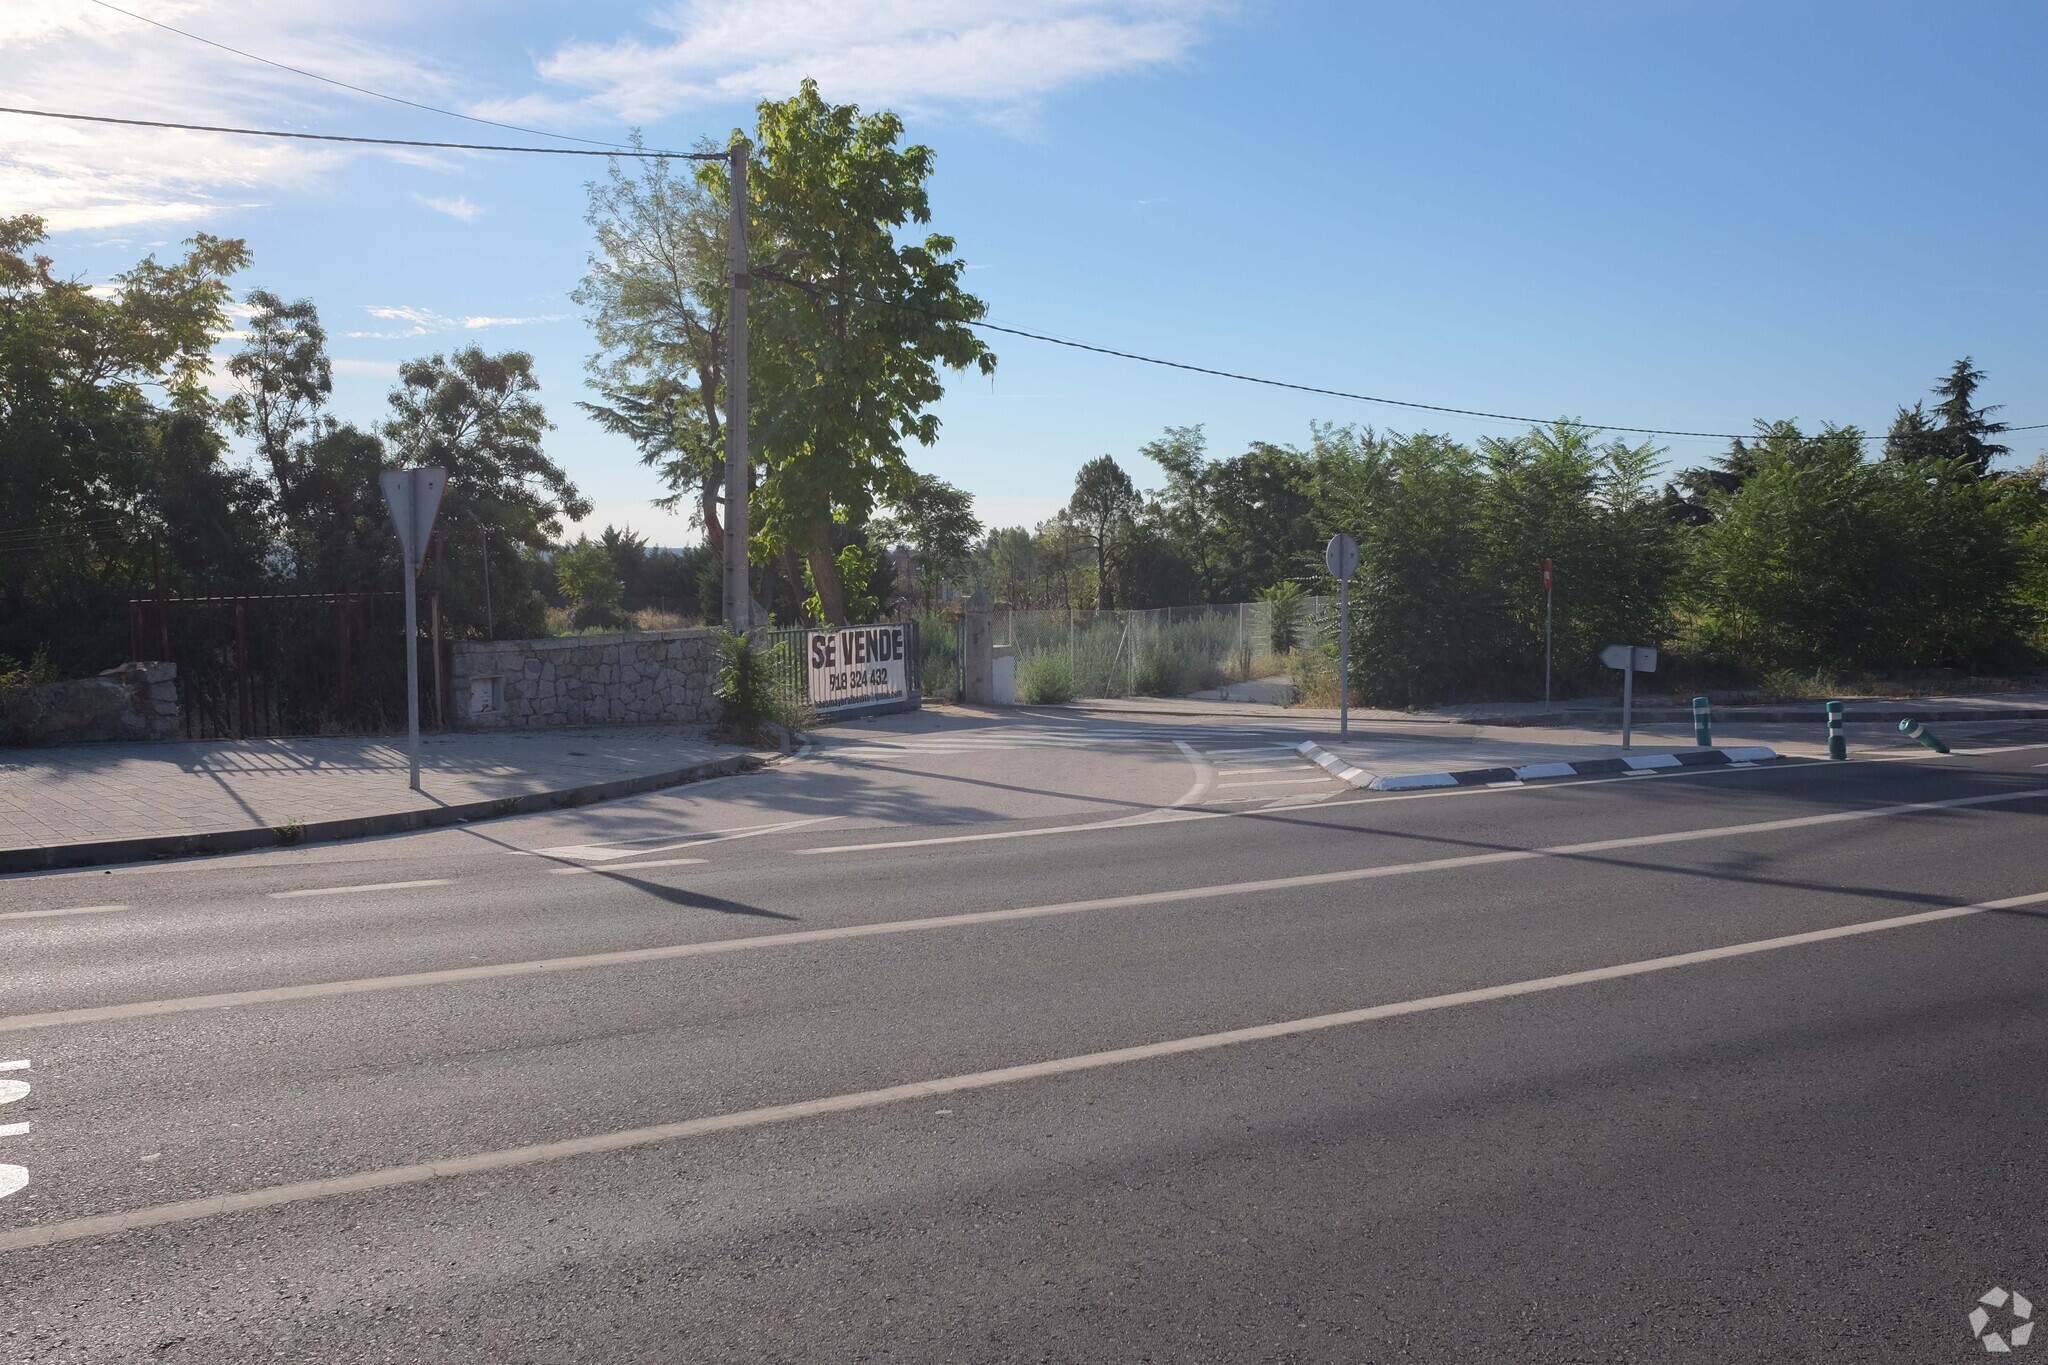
457 207
996 56
422 321
74 57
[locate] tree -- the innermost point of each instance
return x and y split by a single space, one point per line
1914 436
96 470
477 416
587 574
937 521
853 325
655 294
1965 429
1101 511
284 378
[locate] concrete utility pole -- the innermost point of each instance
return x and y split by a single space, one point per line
739 596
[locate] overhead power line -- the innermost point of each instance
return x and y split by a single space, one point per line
814 287
358 89
369 141
987 326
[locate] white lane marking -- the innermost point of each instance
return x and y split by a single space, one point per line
1203 776
73 910
1255 748
18 1064
1165 816
1270 766
625 867
367 886
10 1091
615 848
631 956
599 1144
12 1180
1274 782
14 1129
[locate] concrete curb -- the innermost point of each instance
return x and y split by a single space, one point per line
1740 756
1892 713
148 847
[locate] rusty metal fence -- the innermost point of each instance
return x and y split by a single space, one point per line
290 664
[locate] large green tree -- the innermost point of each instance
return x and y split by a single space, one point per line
111 458
1103 509
479 417
854 325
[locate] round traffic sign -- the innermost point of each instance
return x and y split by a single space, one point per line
1341 554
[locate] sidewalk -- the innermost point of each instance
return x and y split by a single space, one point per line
92 803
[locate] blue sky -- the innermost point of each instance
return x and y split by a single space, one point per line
1658 214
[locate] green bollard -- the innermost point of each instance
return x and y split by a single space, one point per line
1702 723
1838 744
1914 730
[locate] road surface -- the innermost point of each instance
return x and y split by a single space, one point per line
1049 1047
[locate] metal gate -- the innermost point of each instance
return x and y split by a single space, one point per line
286 664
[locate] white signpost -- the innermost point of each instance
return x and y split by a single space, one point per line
1631 660
858 666
414 497
1341 558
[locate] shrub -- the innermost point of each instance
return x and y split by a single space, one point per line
36 671
744 689
1283 615
1045 680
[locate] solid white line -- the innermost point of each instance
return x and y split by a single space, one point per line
18 1064
670 842
1274 782
624 867
542 966
1163 816
599 1144
74 910
1255 748
13 1129
345 890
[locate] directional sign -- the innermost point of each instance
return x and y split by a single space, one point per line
1341 554
414 497
1618 656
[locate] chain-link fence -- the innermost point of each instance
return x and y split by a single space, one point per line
1166 652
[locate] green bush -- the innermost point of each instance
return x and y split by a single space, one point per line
1045 680
36 671
1283 615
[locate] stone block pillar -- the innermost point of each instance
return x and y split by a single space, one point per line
978 651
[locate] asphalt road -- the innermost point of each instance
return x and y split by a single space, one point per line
1046 1047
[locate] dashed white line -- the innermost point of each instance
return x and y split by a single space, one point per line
349 890
277 1196
1182 895
624 867
72 910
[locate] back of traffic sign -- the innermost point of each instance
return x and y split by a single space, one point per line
1341 555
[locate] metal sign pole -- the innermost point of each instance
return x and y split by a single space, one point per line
1344 659
412 677
414 497
1628 697
1548 575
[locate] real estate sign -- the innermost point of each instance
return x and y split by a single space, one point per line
859 666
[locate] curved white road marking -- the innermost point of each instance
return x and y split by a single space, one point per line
277 1196
13 1178
452 975
1203 774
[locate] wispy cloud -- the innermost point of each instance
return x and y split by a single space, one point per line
997 57
71 56
457 207
426 321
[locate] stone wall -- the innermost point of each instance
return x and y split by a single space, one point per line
647 678
134 701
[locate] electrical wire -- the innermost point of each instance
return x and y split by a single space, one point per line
987 326
815 287
358 89
371 141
